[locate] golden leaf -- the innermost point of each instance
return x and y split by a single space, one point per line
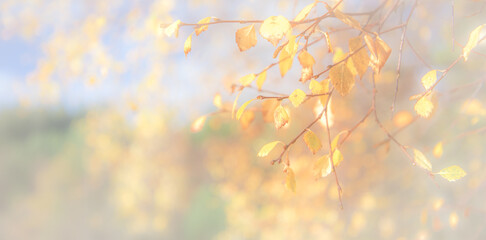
342 78
197 125
312 141
304 12
267 148
438 150
187 45
306 59
280 117
286 57
246 37
320 88
247 119
360 59
306 74
316 87
452 173
328 41
275 28
402 119
472 42
429 79
380 52
261 79
297 97
217 101
234 105
268 109
242 109
348 20
290 181
420 159
327 167
173 29
246 80
424 107
204 27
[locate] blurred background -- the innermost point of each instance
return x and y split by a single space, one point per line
96 106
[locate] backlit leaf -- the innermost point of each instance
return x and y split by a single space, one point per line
380 52
242 109
202 28
286 57
280 117
306 59
327 167
306 74
267 148
173 29
360 59
421 160
275 28
246 37
424 107
342 78
247 79
452 173
261 79
187 45
472 42
290 181
312 141
304 12
429 79
320 88
197 125
438 150
297 97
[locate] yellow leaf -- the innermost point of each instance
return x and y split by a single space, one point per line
380 52
173 29
187 45
234 105
242 109
429 79
320 88
297 97
328 41
261 79
268 109
360 59
246 119
304 12
217 101
267 148
202 28
342 78
327 167
286 57
438 150
246 80
198 124
420 159
290 182
424 107
312 141
306 74
338 55
402 119
306 59
472 42
348 20
275 28
452 173
316 87
335 141
246 37
281 117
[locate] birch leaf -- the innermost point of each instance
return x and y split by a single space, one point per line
246 37
304 12
360 59
261 79
421 160
297 97
472 42
187 45
202 28
280 117
312 141
267 148
275 28
380 52
429 79
452 173
242 109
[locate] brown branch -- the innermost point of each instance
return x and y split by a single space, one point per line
351 130
260 97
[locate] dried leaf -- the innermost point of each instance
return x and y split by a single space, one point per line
261 79
275 28
438 150
304 12
306 60
246 80
202 28
342 78
197 125
286 57
173 29
472 42
380 52
242 109
452 173
267 148
424 107
187 45
312 141
360 59
246 37
281 117
420 159
290 181
429 79
247 119
297 97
